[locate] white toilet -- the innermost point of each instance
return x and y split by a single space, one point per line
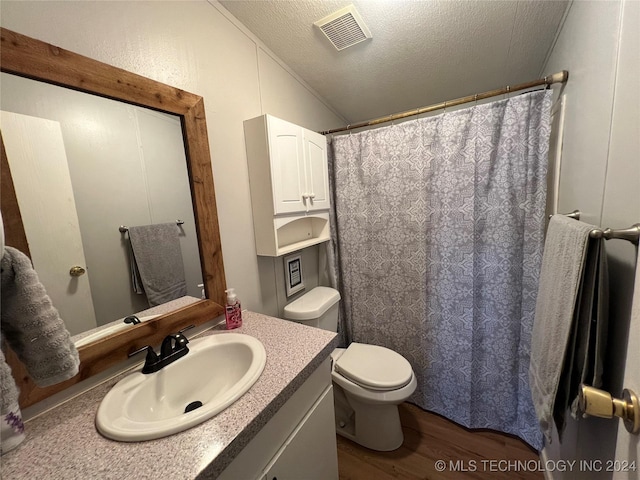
369 381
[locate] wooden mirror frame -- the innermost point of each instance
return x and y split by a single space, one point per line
27 57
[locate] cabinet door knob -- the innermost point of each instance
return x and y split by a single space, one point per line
312 196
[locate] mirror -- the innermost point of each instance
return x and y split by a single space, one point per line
108 164
30 58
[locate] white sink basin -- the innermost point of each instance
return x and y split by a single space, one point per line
217 371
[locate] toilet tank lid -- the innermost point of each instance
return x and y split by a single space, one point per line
312 305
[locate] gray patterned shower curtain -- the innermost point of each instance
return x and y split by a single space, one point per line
438 240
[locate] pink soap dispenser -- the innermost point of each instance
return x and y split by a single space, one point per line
233 312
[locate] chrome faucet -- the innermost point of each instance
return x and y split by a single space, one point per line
173 347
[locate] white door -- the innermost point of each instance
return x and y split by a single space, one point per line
287 166
627 460
625 147
317 172
38 164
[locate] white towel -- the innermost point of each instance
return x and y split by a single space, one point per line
562 267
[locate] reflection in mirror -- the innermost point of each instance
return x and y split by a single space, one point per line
93 164
31 58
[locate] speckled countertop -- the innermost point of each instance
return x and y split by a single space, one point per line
64 443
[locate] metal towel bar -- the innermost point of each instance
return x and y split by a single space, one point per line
125 229
575 215
631 234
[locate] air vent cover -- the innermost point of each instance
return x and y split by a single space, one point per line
344 28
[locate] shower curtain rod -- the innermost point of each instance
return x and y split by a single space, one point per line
560 77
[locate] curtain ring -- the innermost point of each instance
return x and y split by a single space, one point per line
349 128
444 109
475 99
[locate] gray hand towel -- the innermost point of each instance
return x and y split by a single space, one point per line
563 263
32 327
158 258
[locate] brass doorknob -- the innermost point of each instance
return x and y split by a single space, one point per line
599 403
76 271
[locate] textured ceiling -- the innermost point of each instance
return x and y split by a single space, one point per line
422 52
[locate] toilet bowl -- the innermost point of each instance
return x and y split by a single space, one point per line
369 381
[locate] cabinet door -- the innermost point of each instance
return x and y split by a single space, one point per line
287 166
316 167
310 452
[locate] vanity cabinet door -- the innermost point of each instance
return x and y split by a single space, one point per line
310 452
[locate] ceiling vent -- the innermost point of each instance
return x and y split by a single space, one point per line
344 28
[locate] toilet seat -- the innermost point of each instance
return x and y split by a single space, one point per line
374 367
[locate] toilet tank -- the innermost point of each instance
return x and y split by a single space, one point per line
317 308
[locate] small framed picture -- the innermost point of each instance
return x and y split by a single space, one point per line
293 274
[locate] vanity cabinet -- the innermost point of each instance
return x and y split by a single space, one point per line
310 450
289 181
298 442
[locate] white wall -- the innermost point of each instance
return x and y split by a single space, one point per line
199 47
600 176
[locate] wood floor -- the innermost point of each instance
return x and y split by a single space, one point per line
428 438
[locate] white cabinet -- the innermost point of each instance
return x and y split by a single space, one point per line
289 181
308 453
297 160
299 442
